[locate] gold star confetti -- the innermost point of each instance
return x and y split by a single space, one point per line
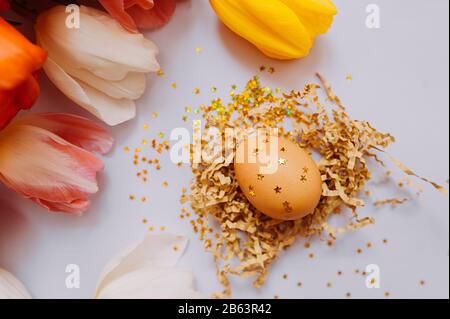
187 109
329 285
175 248
303 179
260 177
305 170
198 50
283 149
143 199
359 251
285 276
162 228
282 161
262 68
287 207
271 70
174 85
126 149
349 77
277 190
299 284
369 245
339 273
385 241
145 126
160 73
307 245
387 294
422 282
132 197
165 184
311 256
155 115
251 190
197 91
214 89
348 295
185 118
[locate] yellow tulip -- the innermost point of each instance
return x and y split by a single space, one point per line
281 29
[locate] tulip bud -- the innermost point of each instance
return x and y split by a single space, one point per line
281 29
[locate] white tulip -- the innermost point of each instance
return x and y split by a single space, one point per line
147 271
100 65
11 287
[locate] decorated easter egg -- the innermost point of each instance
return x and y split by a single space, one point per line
278 177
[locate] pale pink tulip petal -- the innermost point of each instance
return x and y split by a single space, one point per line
74 129
158 16
47 169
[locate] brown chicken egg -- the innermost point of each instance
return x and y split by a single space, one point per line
279 178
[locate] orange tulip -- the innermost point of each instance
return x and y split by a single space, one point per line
19 62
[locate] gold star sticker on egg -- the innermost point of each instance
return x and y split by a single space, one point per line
282 161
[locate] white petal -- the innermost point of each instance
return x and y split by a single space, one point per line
111 111
152 283
147 271
11 287
100 37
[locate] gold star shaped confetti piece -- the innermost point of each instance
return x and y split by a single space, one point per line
287 207
197 91
160 73
305 170
349 77
256 151
303 179
174 85
154 115
277 190
251 191
282 161
260 177
283 149
198 50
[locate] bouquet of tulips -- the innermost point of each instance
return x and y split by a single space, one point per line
100 65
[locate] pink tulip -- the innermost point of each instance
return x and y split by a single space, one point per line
146 14
48 158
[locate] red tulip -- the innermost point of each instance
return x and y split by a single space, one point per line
146 14
4 5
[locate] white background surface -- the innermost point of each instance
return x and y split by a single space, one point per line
400 84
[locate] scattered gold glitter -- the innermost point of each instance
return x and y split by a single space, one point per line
214 89
387 294
307 245
246 236
285 276
174 85
303 179
299 284
276 297
126 149
187 109
348 295
175 248
145 126
165 184
329 285
305 170
155 115
311 256
369 245
185 118
277 190
144 142
359 251
161 135
151 228
339 273
160 73
283 149
349 77
144 221
132 197
162 228
282 161
143 199
260 177
357 271
271 70
197 91
422 282
262 68
385 241
198 50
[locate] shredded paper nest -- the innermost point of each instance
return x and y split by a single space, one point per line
245 242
